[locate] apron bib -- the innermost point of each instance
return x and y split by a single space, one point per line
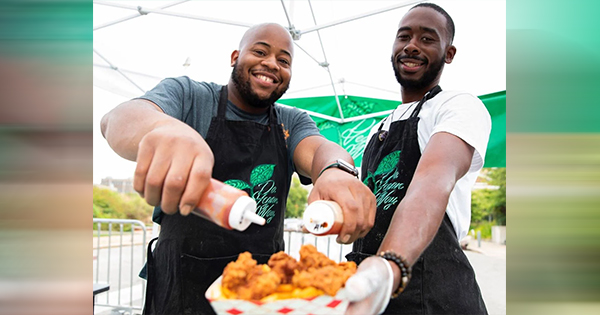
443 281
191 252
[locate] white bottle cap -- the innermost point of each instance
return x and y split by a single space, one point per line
243 212
318 217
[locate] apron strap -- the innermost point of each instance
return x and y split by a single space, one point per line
150 281
222 102
429 95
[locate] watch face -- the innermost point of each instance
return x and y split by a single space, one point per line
347 167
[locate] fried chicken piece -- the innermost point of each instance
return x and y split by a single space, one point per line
284 265
348 268
317 270
236 272
310 257
249 281
261 282
245 279
329 278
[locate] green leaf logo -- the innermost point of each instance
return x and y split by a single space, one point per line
261 174
239 184
369 176
388 163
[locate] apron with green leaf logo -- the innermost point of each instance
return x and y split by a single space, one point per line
191 252
443 281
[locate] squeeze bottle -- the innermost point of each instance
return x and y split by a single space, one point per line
227 206
323 217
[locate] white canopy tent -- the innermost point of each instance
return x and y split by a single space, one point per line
342 48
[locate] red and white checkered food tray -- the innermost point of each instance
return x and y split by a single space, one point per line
323 304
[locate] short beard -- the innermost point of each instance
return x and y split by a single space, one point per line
422 83
248 95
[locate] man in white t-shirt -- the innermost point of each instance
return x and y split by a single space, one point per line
421 162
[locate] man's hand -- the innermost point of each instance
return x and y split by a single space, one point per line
174 163
369 289
174 167
355 199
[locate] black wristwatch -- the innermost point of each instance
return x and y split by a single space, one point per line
344 166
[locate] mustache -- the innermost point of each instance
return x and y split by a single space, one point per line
399 58
265 70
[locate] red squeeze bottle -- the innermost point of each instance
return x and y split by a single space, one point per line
227 207
323 217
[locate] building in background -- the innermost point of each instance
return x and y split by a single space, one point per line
120 185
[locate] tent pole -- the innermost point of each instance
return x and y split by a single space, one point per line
325 64
130 71
383 113
373 87
133 16
356 17
287 16
306 52
142 10
306 89
119 71
337 99
315 114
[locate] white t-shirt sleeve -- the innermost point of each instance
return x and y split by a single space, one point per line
466 117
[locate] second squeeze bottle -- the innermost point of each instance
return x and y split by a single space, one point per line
323 217
227 206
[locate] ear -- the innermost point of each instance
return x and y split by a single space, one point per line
234 56
450 52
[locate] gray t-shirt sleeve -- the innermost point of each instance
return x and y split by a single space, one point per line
297 125
187 100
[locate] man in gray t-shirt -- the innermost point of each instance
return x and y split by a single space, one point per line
196 104
183 134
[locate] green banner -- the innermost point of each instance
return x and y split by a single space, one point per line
352 136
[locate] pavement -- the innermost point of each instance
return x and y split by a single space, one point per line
489 263
487 248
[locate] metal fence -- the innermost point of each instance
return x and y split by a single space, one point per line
325 244
120 255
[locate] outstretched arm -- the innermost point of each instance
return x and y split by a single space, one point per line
174 163
311 156
444 161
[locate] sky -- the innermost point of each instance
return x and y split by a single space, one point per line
154 46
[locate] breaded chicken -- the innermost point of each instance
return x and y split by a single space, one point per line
245 279
236 272
284 265
249 281
261 282
310 257
329 278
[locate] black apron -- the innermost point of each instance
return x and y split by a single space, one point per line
191 252
443 281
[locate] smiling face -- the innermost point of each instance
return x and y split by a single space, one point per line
261 67
421 48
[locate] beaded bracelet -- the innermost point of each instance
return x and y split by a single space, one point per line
405 270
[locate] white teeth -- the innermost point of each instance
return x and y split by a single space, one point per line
411 64
264 78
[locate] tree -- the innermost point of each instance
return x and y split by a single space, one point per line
296 202
497 177
481 205
113 205
486 203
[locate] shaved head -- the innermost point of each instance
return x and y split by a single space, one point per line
272 28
